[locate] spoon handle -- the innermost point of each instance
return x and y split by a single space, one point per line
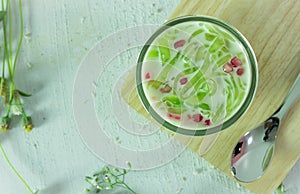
292 96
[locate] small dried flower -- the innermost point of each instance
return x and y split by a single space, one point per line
5 121
16 109
27 124
107 179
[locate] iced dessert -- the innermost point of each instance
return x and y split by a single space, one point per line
195 75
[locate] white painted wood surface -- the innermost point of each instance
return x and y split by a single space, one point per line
53 158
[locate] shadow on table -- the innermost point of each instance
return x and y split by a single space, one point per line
57 187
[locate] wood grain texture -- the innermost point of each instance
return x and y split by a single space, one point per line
272 27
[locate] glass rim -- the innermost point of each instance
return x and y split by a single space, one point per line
231 120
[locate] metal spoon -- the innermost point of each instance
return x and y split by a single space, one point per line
254 151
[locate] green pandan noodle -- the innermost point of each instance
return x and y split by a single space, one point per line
164 50
193 85
183 74
204 106
216 45
174 104
154 53
162 77
195 34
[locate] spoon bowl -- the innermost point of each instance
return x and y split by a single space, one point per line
254 152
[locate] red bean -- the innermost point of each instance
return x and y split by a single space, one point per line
197 118
207 122
227 68
148 75
236 62
183 80
179 43
240 71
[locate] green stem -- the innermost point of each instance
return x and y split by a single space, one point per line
6 46
15 171
21 36
11 97
3 65
9 12
127 187
4 53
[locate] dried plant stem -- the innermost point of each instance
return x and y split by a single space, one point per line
14 170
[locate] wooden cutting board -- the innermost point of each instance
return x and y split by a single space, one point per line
273 29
